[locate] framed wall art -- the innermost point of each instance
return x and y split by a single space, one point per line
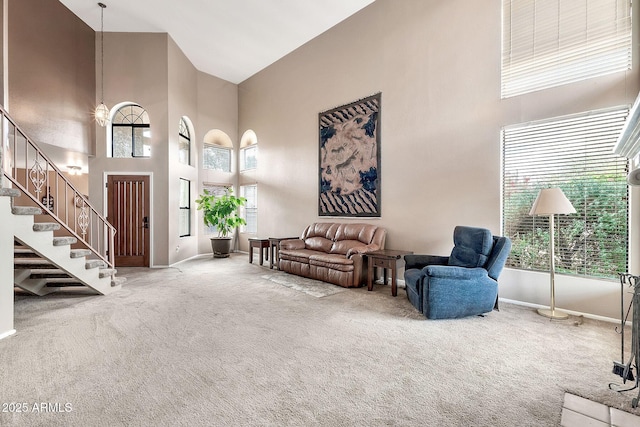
350 159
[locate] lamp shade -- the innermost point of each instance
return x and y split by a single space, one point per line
551 201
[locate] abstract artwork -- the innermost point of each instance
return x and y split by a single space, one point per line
350 159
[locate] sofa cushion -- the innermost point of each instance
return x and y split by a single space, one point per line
333 261
472 247
317 243
343 246
300 255
360 232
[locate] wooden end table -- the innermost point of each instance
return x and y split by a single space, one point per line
387 259
261 244
274 250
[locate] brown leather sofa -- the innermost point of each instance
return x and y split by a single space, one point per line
332 252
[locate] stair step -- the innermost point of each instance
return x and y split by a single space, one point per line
62 282
10 192
46 226
79 253
93 263
117 281
48 274
107 272
62 241
32 263
24 252
26 210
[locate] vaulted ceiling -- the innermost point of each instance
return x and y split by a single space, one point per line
230 39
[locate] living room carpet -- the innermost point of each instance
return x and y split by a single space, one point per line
213 343
311 287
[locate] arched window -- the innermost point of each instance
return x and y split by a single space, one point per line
217 151
184 142
131 132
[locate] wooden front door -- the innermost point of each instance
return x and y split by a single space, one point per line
128 211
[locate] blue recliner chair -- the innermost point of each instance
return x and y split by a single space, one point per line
462 284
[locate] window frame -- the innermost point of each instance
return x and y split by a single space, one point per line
182 207
135 121
553 153
184 133
243 158
248 208
217 148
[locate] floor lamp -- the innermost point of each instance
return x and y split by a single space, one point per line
552 201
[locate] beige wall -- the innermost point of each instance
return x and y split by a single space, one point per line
51 74
183 96
136 70
217 109
437 65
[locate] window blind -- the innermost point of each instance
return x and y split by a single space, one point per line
547 43
573 153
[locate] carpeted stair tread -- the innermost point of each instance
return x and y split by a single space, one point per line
79 253
93 263
24 252
46 226
62 241
26 210
107 272
33 263
10 192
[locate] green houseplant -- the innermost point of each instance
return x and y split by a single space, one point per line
221 212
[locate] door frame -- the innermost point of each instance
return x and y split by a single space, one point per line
105 203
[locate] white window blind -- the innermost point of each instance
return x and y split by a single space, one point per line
573 153
547 43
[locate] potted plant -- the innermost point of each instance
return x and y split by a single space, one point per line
221 212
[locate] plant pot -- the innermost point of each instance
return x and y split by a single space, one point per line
221 246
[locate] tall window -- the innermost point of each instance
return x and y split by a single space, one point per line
548 43
216 190
250 210
575 154
217 158
131 133
184 143
249 158
184 218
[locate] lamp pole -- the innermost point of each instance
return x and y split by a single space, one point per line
552 313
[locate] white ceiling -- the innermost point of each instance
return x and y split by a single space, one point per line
230 39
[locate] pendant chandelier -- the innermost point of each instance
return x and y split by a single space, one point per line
102 111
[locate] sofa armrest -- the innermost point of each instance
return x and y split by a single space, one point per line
362 249
292 244
421 261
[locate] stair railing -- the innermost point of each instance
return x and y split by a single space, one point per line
26 166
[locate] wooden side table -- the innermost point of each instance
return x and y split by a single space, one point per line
261 244
387 259
274 249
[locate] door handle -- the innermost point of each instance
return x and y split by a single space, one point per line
145 222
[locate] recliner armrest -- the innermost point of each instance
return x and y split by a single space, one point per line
453 272
421 261
362 249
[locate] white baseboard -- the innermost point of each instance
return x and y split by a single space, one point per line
571 312
7 334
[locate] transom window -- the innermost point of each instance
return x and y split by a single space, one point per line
548 43
184 143
131 132
217 158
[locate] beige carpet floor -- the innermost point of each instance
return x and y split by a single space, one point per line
221 342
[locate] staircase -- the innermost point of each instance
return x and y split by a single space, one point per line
43 232
44 263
